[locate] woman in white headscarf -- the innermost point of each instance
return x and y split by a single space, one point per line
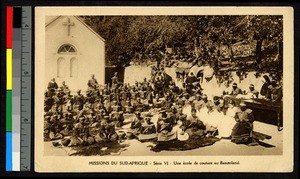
228 121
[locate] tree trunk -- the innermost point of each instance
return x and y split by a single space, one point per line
258 51
219 50
230 52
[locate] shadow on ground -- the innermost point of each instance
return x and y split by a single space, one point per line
111 148
190 144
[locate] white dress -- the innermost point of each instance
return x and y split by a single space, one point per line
227 122
211 119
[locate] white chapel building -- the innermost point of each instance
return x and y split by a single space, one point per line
73 52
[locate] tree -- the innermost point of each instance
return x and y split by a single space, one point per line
114 29
155 33
127 36
261 28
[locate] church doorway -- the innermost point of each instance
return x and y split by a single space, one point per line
67 63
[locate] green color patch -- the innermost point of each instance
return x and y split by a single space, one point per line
8 111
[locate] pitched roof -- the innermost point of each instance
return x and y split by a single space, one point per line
87 26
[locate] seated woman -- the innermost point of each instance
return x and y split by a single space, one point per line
252 93
117 117
276 91
111 132
148 129
47 126
213 119
139 105
242 130
136 124
115 106
87 138
128 107
149 95
228 121
164 128
55 128
204 103
194 126
137 121
217 105
157 101
107 131
180 116
94 126
76 138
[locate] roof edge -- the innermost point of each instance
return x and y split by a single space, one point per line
79 21
87 26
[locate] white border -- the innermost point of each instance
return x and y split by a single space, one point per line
278 163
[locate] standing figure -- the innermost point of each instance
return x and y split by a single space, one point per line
265 90
52 87
92 83
52 84
114 81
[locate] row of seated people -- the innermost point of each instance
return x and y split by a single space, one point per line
87 128
96 116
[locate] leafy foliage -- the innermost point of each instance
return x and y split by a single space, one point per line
128 37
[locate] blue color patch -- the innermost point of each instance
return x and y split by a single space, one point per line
8 151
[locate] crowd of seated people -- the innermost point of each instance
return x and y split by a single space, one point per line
97 115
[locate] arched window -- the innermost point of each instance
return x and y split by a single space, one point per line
73 67
66 48
61 67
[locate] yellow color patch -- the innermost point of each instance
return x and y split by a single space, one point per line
9 69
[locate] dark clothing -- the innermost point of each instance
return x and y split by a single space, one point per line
52 84
136 124
236 91
148 128
79 101
265 91
107 132
276 93
219 107
114 82
241 132
163 124
191 80
194 127
189 84
92 83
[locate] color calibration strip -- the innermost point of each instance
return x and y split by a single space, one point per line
9 25
18 88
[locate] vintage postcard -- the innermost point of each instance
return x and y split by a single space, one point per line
164 89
